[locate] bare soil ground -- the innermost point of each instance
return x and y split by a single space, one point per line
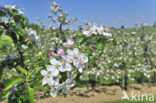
101 94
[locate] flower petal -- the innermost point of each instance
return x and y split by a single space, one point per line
62 69
53 93
60 86
55 72
43 72
69 52
50 67
76 51
65 90
44 81
53 61
80 70
68 67
50 81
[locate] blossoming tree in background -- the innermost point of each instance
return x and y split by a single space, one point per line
93 40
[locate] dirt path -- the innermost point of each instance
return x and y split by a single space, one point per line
102 93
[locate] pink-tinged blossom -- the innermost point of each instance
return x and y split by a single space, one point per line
50 54
60 52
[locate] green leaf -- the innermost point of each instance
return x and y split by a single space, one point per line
1 31
100 46
31 94
31 91
91 58
17 18
81 40
6 94
2 14
14 12
75 45
22 70
19 101
75 75
23 31
86 54
34 71
12 82
114 42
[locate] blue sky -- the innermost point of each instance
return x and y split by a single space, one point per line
106 12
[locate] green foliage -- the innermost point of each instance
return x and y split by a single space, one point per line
22 70
2 14
31 94
12 82
6 43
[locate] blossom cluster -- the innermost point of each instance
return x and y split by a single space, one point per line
13 7
32 33
60 15
55 7
96 30
69 63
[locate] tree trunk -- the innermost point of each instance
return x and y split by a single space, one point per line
154 78
124 83
87 84
93 83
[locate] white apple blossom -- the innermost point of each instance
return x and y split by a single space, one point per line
67 85
107 34
81 62
49 75
69 43
53 91
94 29
65 66
55 63
55 7
20 11
72 55
32 33
87 33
